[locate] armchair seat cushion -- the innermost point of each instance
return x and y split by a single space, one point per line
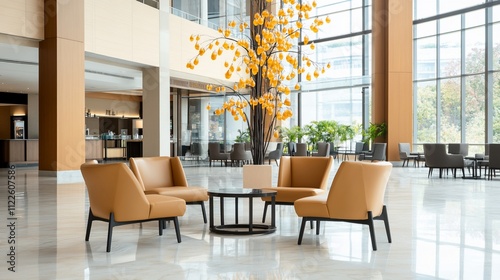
188 194
160 205
290 194
312 206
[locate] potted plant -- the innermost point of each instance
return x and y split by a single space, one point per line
374 131
242 137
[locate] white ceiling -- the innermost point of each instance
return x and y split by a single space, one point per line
19 72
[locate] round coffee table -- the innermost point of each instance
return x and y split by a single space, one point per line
237 228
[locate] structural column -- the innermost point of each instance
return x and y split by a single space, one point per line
156 95
392 71
62 87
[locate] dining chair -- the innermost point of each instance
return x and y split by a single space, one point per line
301 149
214 154
405 154
494 160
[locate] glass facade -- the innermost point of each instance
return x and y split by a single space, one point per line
456 69
456 82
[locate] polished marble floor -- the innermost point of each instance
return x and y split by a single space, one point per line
445 228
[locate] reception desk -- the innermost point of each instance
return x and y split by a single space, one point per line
18 151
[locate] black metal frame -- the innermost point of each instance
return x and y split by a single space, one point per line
112 223
383 216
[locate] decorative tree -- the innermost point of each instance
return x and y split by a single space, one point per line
268 64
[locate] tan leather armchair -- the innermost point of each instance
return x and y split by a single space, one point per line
356 196
299 177
165 176
116 197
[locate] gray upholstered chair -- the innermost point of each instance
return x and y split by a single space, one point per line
461 149
377 153
404 154
458 149
437 157
214 154
323 150
276 154
239 155
493 160
301 149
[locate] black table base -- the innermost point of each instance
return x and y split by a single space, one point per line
237 228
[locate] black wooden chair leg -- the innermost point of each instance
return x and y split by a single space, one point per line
202 204
372 231
265 211
177 230
301 234
89 225
111 224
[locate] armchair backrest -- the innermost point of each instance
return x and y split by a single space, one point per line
305 172
359 147
458 149
323 149
436 156
404 150
158 172
301 149
238 151
276 154
379 151
213 149
494 156
113 188
358 187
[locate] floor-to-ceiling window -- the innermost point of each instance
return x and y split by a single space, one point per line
345 43
456 67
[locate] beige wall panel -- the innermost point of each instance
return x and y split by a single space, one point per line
89 24
62 125
22 18
145 34
70 105
400 36
400 107
12 17
182 50
70 20
34 19
130 32
113 30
